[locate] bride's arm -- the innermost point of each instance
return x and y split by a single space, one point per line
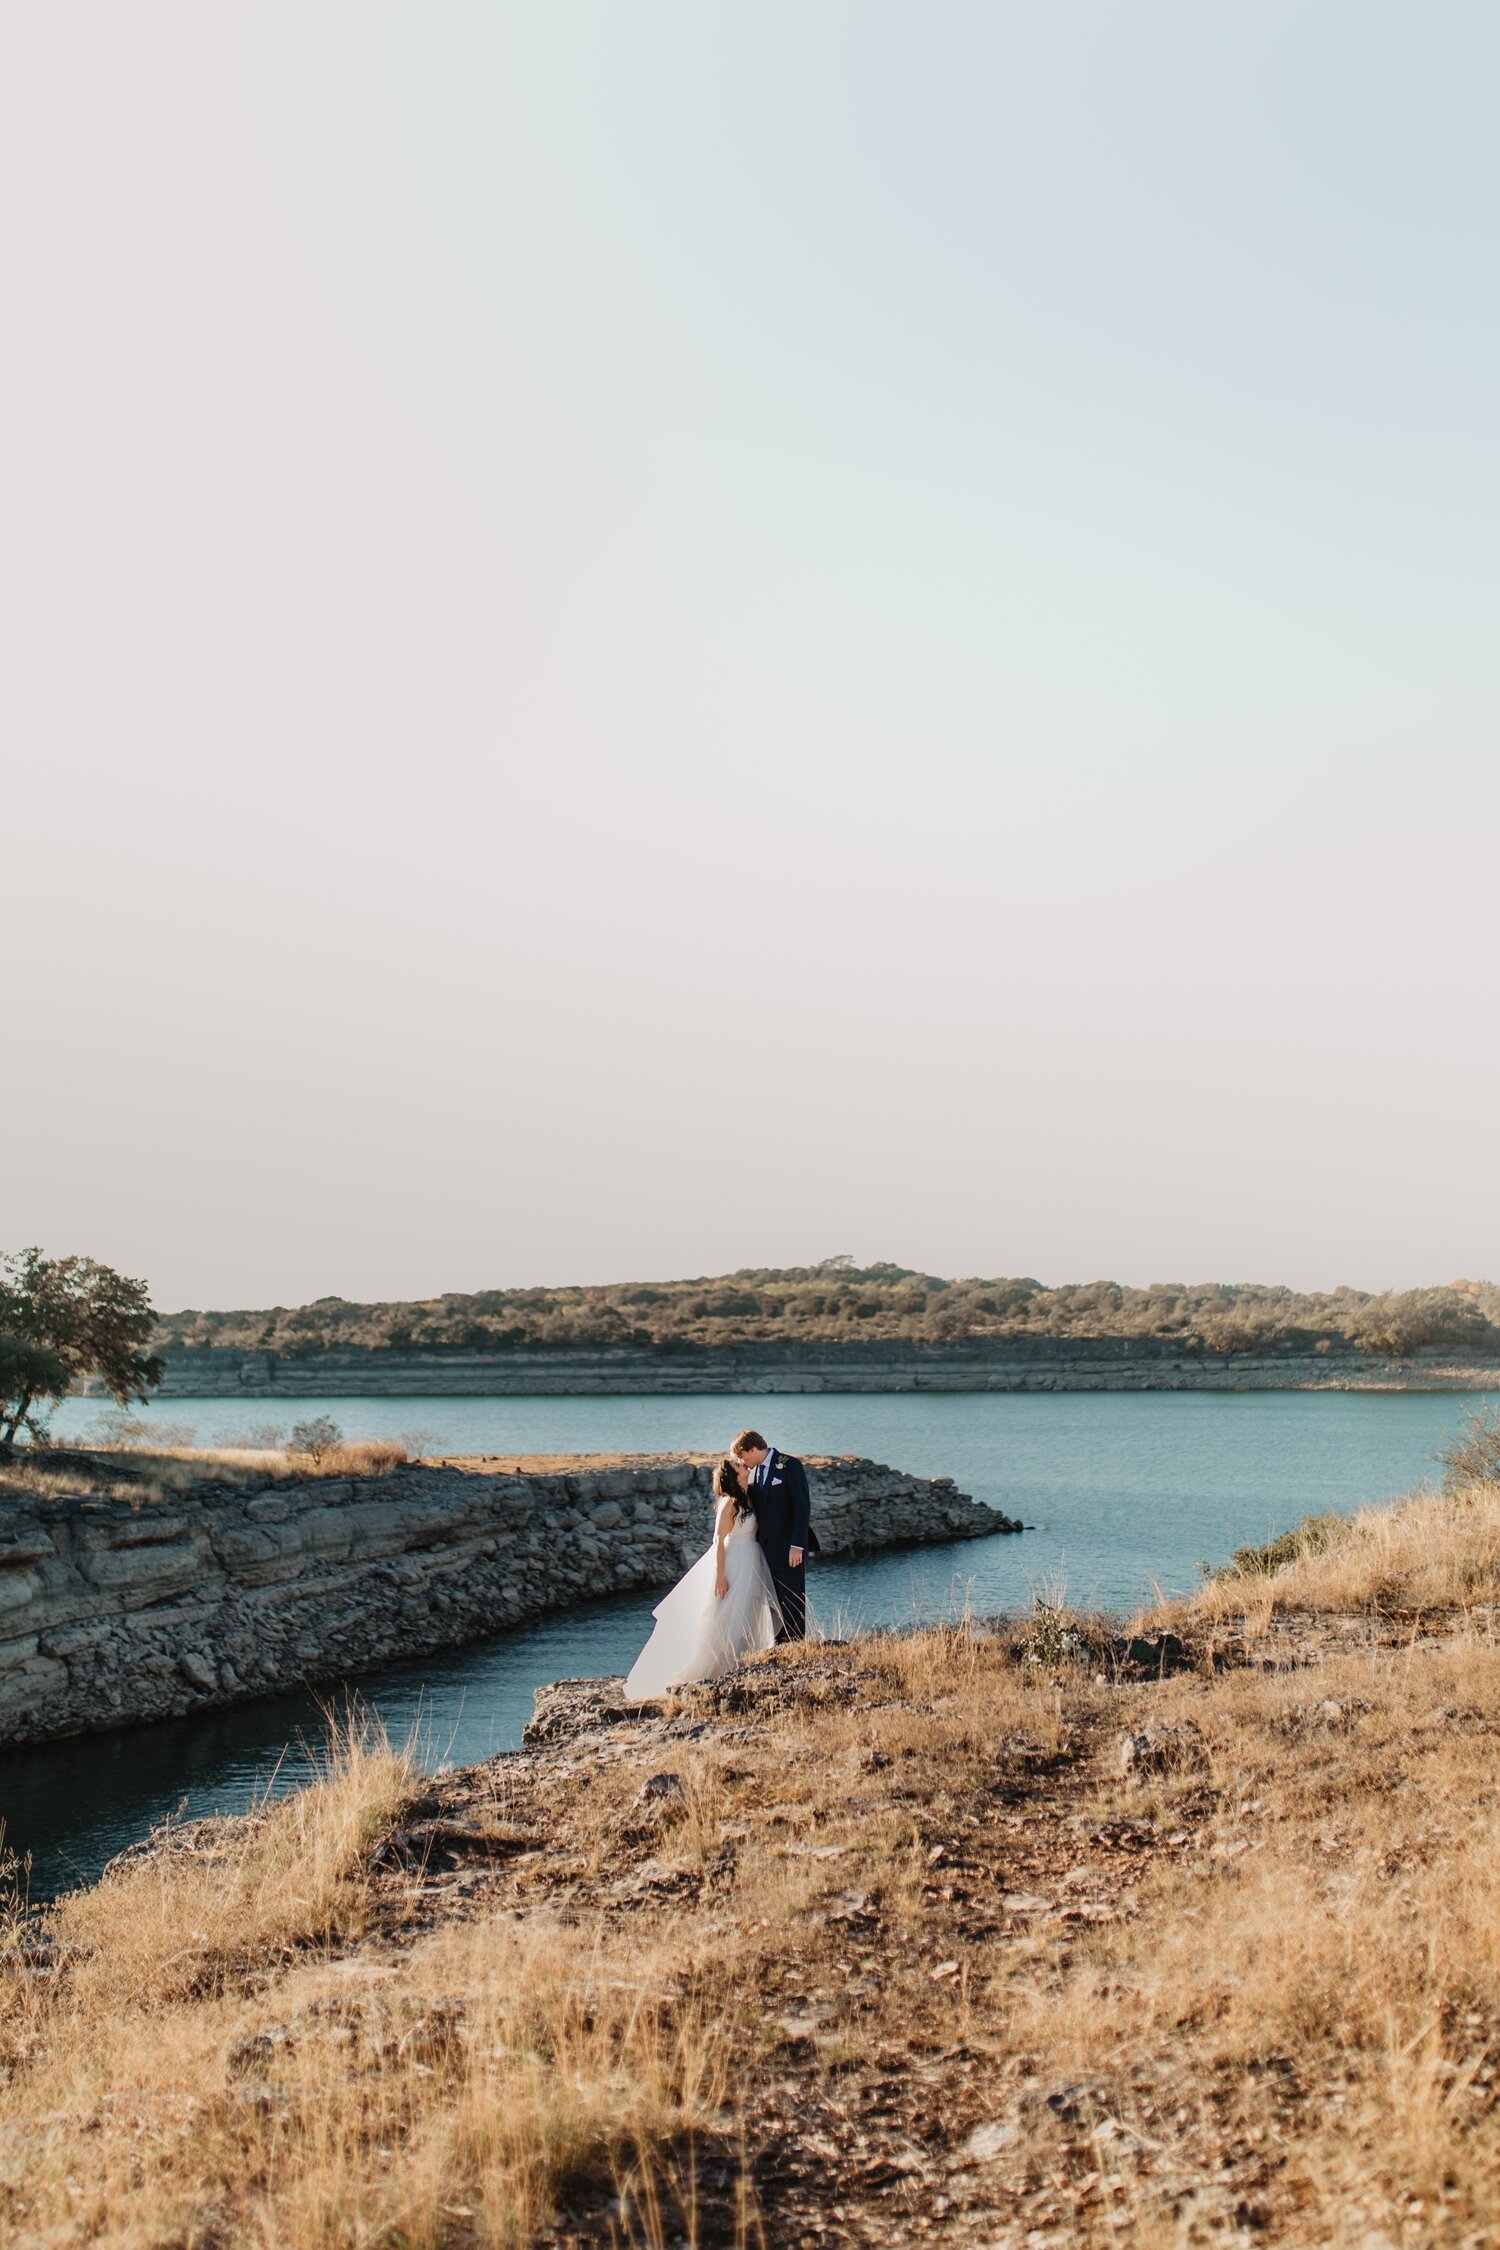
723 1525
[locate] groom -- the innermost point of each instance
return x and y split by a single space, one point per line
778 1493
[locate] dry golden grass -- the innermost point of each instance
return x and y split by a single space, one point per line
125 2045
1431 1552
27 1482
183 1922
1255 1992
1319 1977
365 1457
1307 1987
146 1476
207 2069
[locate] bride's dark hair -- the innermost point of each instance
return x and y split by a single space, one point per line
729 1484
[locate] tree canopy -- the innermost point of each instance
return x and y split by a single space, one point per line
62 1319
841 1302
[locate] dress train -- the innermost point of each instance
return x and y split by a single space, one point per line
697 1635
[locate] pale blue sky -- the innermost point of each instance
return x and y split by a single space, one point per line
648 637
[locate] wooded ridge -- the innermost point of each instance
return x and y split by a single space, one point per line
838 1302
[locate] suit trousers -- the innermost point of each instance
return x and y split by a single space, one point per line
791 1593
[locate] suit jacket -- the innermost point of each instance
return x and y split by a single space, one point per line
783 1506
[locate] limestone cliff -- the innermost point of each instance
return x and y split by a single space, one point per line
1037 1363
112 1613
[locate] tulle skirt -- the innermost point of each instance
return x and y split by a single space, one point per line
700 1637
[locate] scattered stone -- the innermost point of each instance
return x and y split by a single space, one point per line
986 2142
662 1788
807 2022
1331 1712
1022 1749
258 2050
651 1875
1155 1656
1160 1746
412 1845
1076 2101
40 1954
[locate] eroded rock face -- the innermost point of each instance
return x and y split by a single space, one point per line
114 1610
1009 1363
564 1708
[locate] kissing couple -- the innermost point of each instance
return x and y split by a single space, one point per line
749 1590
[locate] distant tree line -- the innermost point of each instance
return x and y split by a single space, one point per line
839 1302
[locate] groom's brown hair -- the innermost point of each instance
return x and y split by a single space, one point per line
749 1441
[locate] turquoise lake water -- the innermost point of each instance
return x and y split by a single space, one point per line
1125 1492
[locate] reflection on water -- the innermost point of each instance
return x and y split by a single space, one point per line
1125 1491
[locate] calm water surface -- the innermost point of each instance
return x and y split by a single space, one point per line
1125 1492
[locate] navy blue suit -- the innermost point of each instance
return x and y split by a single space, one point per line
782 1509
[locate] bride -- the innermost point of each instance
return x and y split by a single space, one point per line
723 1609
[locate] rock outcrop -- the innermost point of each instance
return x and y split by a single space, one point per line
112 1612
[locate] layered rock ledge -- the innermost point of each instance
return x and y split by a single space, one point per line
1035 1363
113 1612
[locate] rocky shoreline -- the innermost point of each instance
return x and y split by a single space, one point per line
1014 1364
115 1609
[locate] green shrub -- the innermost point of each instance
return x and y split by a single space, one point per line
312 1440
1473 1456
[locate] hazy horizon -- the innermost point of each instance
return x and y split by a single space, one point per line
642 641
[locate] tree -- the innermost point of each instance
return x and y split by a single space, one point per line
1405 1320
27 1371
315 1440
62 1319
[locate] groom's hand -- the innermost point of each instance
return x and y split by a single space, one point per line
794 1557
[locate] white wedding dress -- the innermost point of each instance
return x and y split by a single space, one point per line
698 1636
